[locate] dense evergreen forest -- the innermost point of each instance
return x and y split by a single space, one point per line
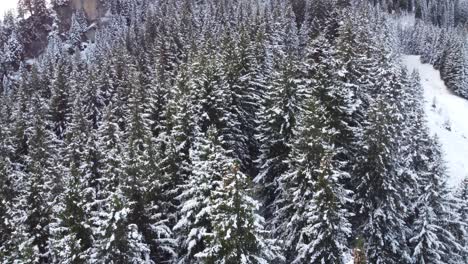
228 131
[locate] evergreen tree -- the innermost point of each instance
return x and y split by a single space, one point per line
379 192
96 94
103 188
316 231
78 28
328 227
461 195
71 230
238 72
207 93
13 52
60 105
36 182
135 184
453 70
433 242
159 166
8 190
281 104
122 241
208 162
238 235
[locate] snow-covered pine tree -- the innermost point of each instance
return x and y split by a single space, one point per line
78 27
238 234
121 64
437 49
52 54
354 50
60 102
121 241
433 241
415 123
159 95
7 189
71 230
381 173
322 18
298 221
9 24
208 164
379 197
316 164
15 114
36 183
103 188
173 142
332 84
325 236
302 196
162 169
281 104
117 238
160 203
238 66
416 139
59 2
12 52
165 48
95 93
20 119
207 90
464 77
453 71
462 235
138 176
33 7
169 150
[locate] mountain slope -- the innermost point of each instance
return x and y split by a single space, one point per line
447 115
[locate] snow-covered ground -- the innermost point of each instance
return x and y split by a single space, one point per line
447 116
7 5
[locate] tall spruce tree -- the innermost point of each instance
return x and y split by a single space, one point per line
462 234
433 241
36 199
60 105
103 190
316 231
71 230
238 235
208 164
280 107
380 204
8 190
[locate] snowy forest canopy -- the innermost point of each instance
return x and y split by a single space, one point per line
217 131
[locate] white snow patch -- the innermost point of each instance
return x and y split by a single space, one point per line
447 116
7 5
406 20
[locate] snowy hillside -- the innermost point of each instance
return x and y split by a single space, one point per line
247 131
447 118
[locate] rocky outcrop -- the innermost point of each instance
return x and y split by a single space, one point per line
93 9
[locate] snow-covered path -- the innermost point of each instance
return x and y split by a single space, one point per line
447 118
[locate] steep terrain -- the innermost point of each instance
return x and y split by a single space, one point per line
447 115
